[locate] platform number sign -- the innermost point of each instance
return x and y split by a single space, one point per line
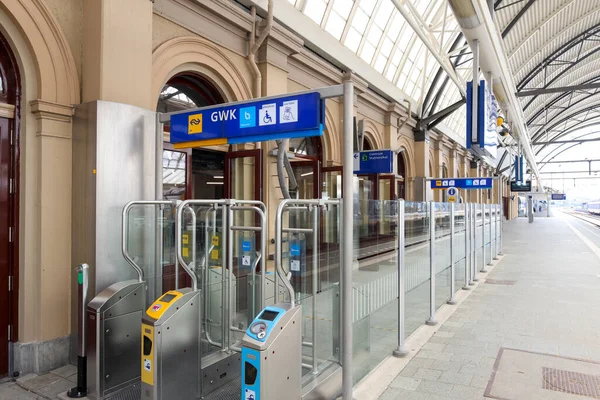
452 194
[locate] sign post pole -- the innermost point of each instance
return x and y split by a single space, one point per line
347 239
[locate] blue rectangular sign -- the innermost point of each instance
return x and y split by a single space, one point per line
251 121
374 162
462 183
559 196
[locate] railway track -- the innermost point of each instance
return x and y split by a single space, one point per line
591 218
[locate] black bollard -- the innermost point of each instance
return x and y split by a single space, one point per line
82 281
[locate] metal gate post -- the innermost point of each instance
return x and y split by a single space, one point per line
451 300
431 320
400 351
80 390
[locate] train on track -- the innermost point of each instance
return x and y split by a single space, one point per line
593 207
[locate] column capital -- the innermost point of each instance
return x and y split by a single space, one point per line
50 117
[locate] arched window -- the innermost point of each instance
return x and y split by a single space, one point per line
195 173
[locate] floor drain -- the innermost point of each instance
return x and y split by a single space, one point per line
571 382
500 282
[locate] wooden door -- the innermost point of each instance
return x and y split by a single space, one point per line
5 241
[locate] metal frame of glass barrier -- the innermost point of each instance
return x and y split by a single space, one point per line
452 300
467 247
431 320
483 261
400 351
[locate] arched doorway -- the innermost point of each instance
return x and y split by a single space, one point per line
205 173
9 119
211 173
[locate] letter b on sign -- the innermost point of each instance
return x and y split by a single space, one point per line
247 117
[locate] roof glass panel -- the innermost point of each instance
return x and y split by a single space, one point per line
378 33
315 9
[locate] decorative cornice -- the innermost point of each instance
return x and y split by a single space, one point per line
50 110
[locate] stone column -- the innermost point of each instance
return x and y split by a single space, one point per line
50 339
117 52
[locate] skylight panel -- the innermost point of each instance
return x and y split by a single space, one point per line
315 9
335 25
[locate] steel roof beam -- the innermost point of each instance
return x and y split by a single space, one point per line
438 117
418 26
568 161
516 19
555 56
537 92
565 141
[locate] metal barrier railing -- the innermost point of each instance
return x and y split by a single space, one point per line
474 214
228 208
314 207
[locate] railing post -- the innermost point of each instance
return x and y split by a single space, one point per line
474 248
315 282
451 300
80 390
467 248
483 261
400 350
492 245
501 217
496 230
431 320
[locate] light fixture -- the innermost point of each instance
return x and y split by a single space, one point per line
306 174
218 176
214 183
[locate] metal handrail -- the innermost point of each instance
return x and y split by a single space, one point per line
125 228
283 206
186 267
259 208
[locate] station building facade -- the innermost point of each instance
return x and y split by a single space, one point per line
165 55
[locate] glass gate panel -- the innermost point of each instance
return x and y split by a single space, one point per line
147 225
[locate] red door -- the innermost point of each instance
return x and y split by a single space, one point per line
5 245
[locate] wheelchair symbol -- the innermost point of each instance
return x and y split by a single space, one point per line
267 118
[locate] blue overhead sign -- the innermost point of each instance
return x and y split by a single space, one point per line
271 118
374 162
462 183
559 196
482 141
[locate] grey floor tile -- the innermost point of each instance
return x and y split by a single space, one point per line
427 374
456 378
439 388
40 381
65 371
406 383
55 388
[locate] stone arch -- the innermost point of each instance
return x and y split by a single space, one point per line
57 77
408 154
373 134
327 140
194 54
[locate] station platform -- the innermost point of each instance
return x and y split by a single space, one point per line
527 331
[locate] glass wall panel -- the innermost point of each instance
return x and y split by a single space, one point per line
459 246
416 258
376 286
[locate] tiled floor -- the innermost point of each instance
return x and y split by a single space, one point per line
550 309
32 386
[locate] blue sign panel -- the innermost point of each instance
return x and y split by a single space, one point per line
462 183
452 191
485 136
251 121
374 162
559 196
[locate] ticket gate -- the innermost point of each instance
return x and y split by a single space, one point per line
272 347
113 344
192 337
